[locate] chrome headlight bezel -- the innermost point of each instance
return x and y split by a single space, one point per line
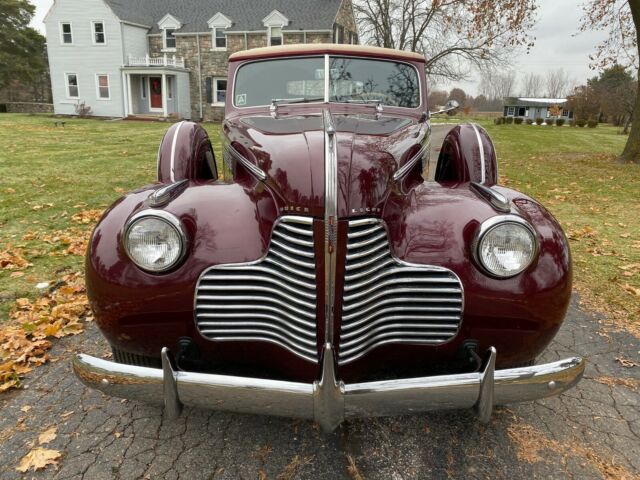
495 222
166 217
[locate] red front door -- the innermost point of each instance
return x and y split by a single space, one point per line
155 89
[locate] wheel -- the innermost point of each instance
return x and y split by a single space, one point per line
467 155
127 358
186 153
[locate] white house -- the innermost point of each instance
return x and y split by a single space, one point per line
167 57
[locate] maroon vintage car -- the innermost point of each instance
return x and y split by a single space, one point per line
322 277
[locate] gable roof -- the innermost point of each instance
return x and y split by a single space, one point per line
533 102
246 15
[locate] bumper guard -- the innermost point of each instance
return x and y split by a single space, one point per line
329 401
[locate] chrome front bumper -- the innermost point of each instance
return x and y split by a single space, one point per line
329 401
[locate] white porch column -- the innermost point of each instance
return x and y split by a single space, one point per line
164 95
129 97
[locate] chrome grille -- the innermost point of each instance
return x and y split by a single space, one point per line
271 300
388 301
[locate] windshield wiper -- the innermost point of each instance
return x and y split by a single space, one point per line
277 101
366 101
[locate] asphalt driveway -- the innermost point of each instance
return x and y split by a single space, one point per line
592 431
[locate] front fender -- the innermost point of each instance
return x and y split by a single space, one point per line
140 312
437 224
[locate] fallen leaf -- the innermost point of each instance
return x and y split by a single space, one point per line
626 363
48 435
25 409
37 459
630 289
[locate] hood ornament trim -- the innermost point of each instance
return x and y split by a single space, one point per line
330 222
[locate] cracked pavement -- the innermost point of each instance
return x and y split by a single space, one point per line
590 432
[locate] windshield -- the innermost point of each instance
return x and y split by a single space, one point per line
351 80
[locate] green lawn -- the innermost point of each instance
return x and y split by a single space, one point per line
48 174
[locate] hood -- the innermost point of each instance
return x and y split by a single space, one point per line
291 152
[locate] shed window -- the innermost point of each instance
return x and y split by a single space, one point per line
67 34
98 33
511 111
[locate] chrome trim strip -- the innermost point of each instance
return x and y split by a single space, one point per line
402 171
256 171
163 195
173 152
483 173
329 401
330 221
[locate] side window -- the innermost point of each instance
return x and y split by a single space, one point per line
98 33
66 35
71 80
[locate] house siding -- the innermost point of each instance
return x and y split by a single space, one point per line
125 40
84 58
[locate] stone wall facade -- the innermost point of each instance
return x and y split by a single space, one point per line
214 62
28 107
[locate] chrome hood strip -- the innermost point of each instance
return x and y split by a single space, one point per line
330 222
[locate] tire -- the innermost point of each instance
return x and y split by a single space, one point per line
467 155
127 358
185 153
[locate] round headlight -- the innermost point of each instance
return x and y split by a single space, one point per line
506 246
155 241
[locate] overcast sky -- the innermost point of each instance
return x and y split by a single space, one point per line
557 45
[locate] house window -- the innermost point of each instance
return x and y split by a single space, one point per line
102 84
169 38
511 111
143 86
98 33
219 91
66 33
339 34
565 112
170 88
219 38
275 36
71 79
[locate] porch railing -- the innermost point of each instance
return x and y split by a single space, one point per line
148 61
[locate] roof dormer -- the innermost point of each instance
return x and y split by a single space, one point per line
219 21
169 21
275 19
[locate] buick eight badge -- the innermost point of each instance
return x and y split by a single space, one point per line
319 275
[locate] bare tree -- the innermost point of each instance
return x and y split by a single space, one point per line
621 19
454 35
496 86
532 85
557 83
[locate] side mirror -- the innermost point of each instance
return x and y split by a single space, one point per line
449 107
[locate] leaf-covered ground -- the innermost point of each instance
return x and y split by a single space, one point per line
55 182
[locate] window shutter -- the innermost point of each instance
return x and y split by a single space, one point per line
209 88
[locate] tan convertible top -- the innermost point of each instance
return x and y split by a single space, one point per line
322 48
